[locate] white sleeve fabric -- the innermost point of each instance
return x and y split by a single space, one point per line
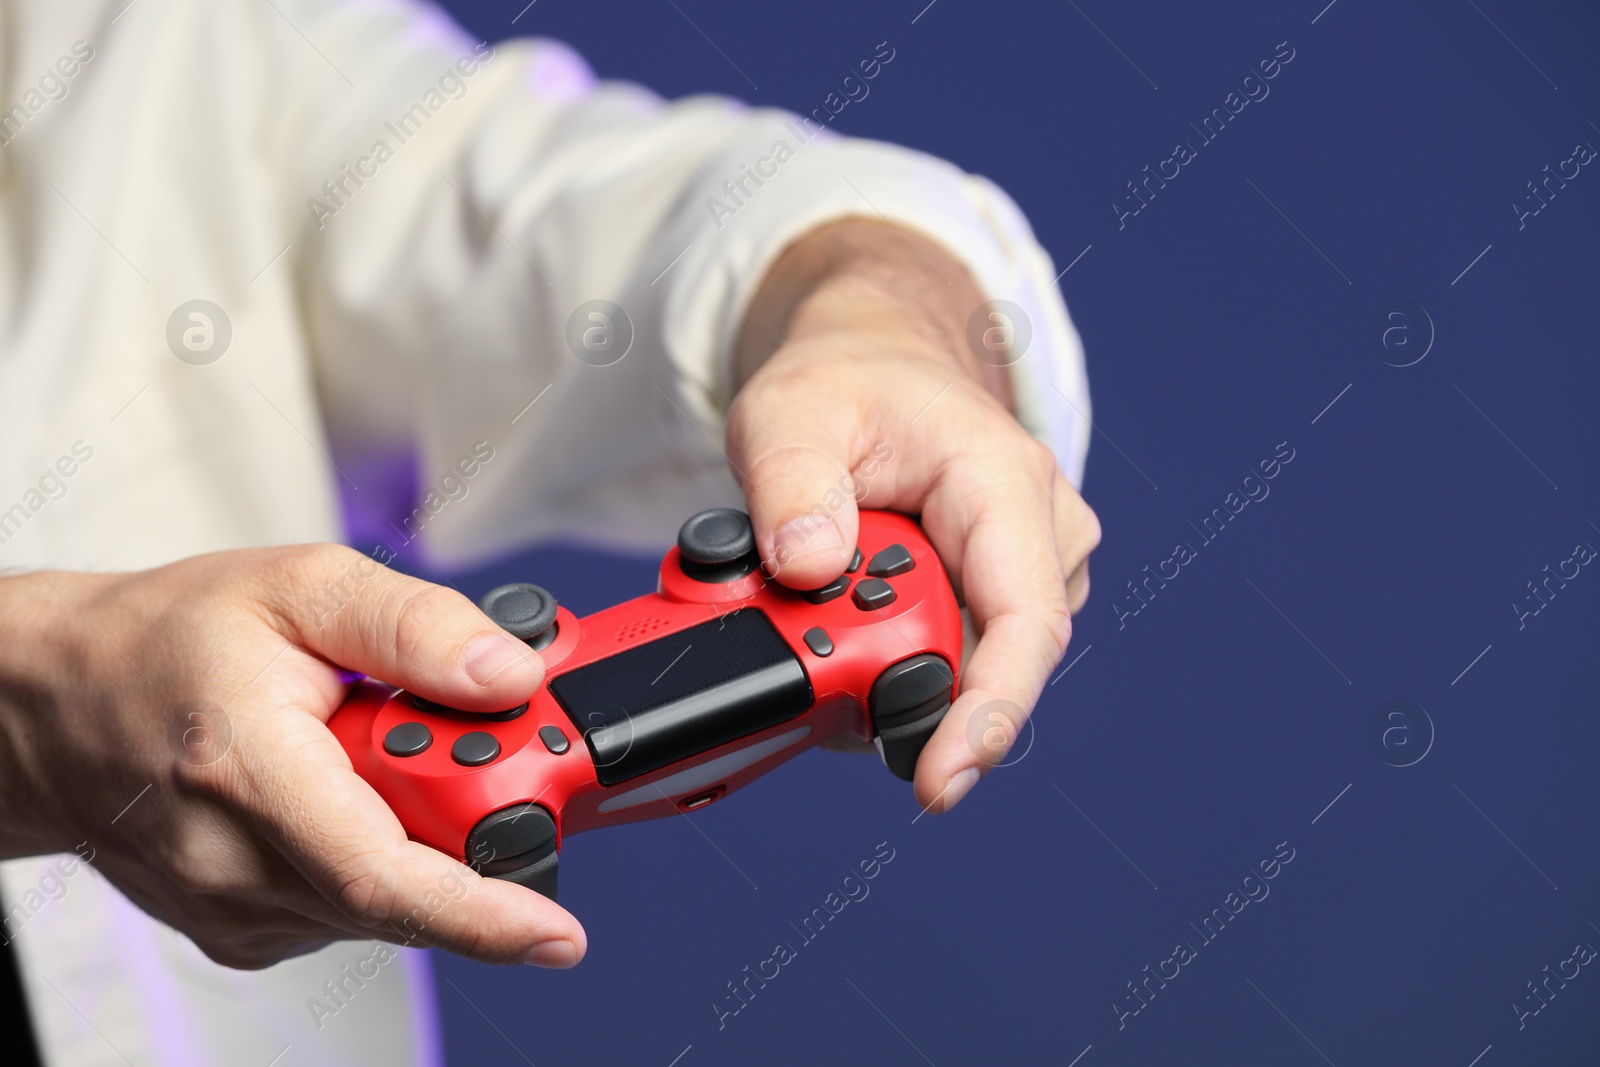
439 286
392 225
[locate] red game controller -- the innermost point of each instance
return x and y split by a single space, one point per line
671 701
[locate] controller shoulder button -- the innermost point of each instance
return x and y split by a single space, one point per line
407 739
818 641
513 842
910 690
833 589
475 749
907 703
554 740
873 593
892 561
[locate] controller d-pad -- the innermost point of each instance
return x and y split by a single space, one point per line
855 562
422 703
873 593
833 589
892 561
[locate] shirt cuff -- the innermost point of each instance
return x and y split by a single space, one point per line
782 177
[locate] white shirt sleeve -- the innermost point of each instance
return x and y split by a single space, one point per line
478 200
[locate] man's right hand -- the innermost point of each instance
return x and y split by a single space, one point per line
199 692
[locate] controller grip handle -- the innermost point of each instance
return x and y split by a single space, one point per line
907 703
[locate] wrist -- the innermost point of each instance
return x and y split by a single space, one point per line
40 652
864 277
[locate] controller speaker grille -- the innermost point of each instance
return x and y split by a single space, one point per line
640 628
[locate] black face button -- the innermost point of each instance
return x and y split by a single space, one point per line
818 641
475 749
855 562
554 739
407 739
422 703
890 562
871 593
828 592
526 612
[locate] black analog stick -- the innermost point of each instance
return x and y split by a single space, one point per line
721 535
525 611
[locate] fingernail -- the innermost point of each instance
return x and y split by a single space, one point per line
960 785
807 534
493 655
557 954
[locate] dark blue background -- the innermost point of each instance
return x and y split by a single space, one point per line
1210 727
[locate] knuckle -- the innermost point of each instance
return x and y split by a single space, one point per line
232 956
292 576
1078 590
310 562
474 942
210 867
251 948
1040 459
748 411
367 897
1055 621
1091 528
418 614
1083 529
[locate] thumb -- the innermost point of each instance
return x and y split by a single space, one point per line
802 501
359 614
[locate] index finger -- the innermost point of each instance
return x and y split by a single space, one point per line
343 839
1003 535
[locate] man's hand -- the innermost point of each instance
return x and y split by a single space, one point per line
853 347
173 722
